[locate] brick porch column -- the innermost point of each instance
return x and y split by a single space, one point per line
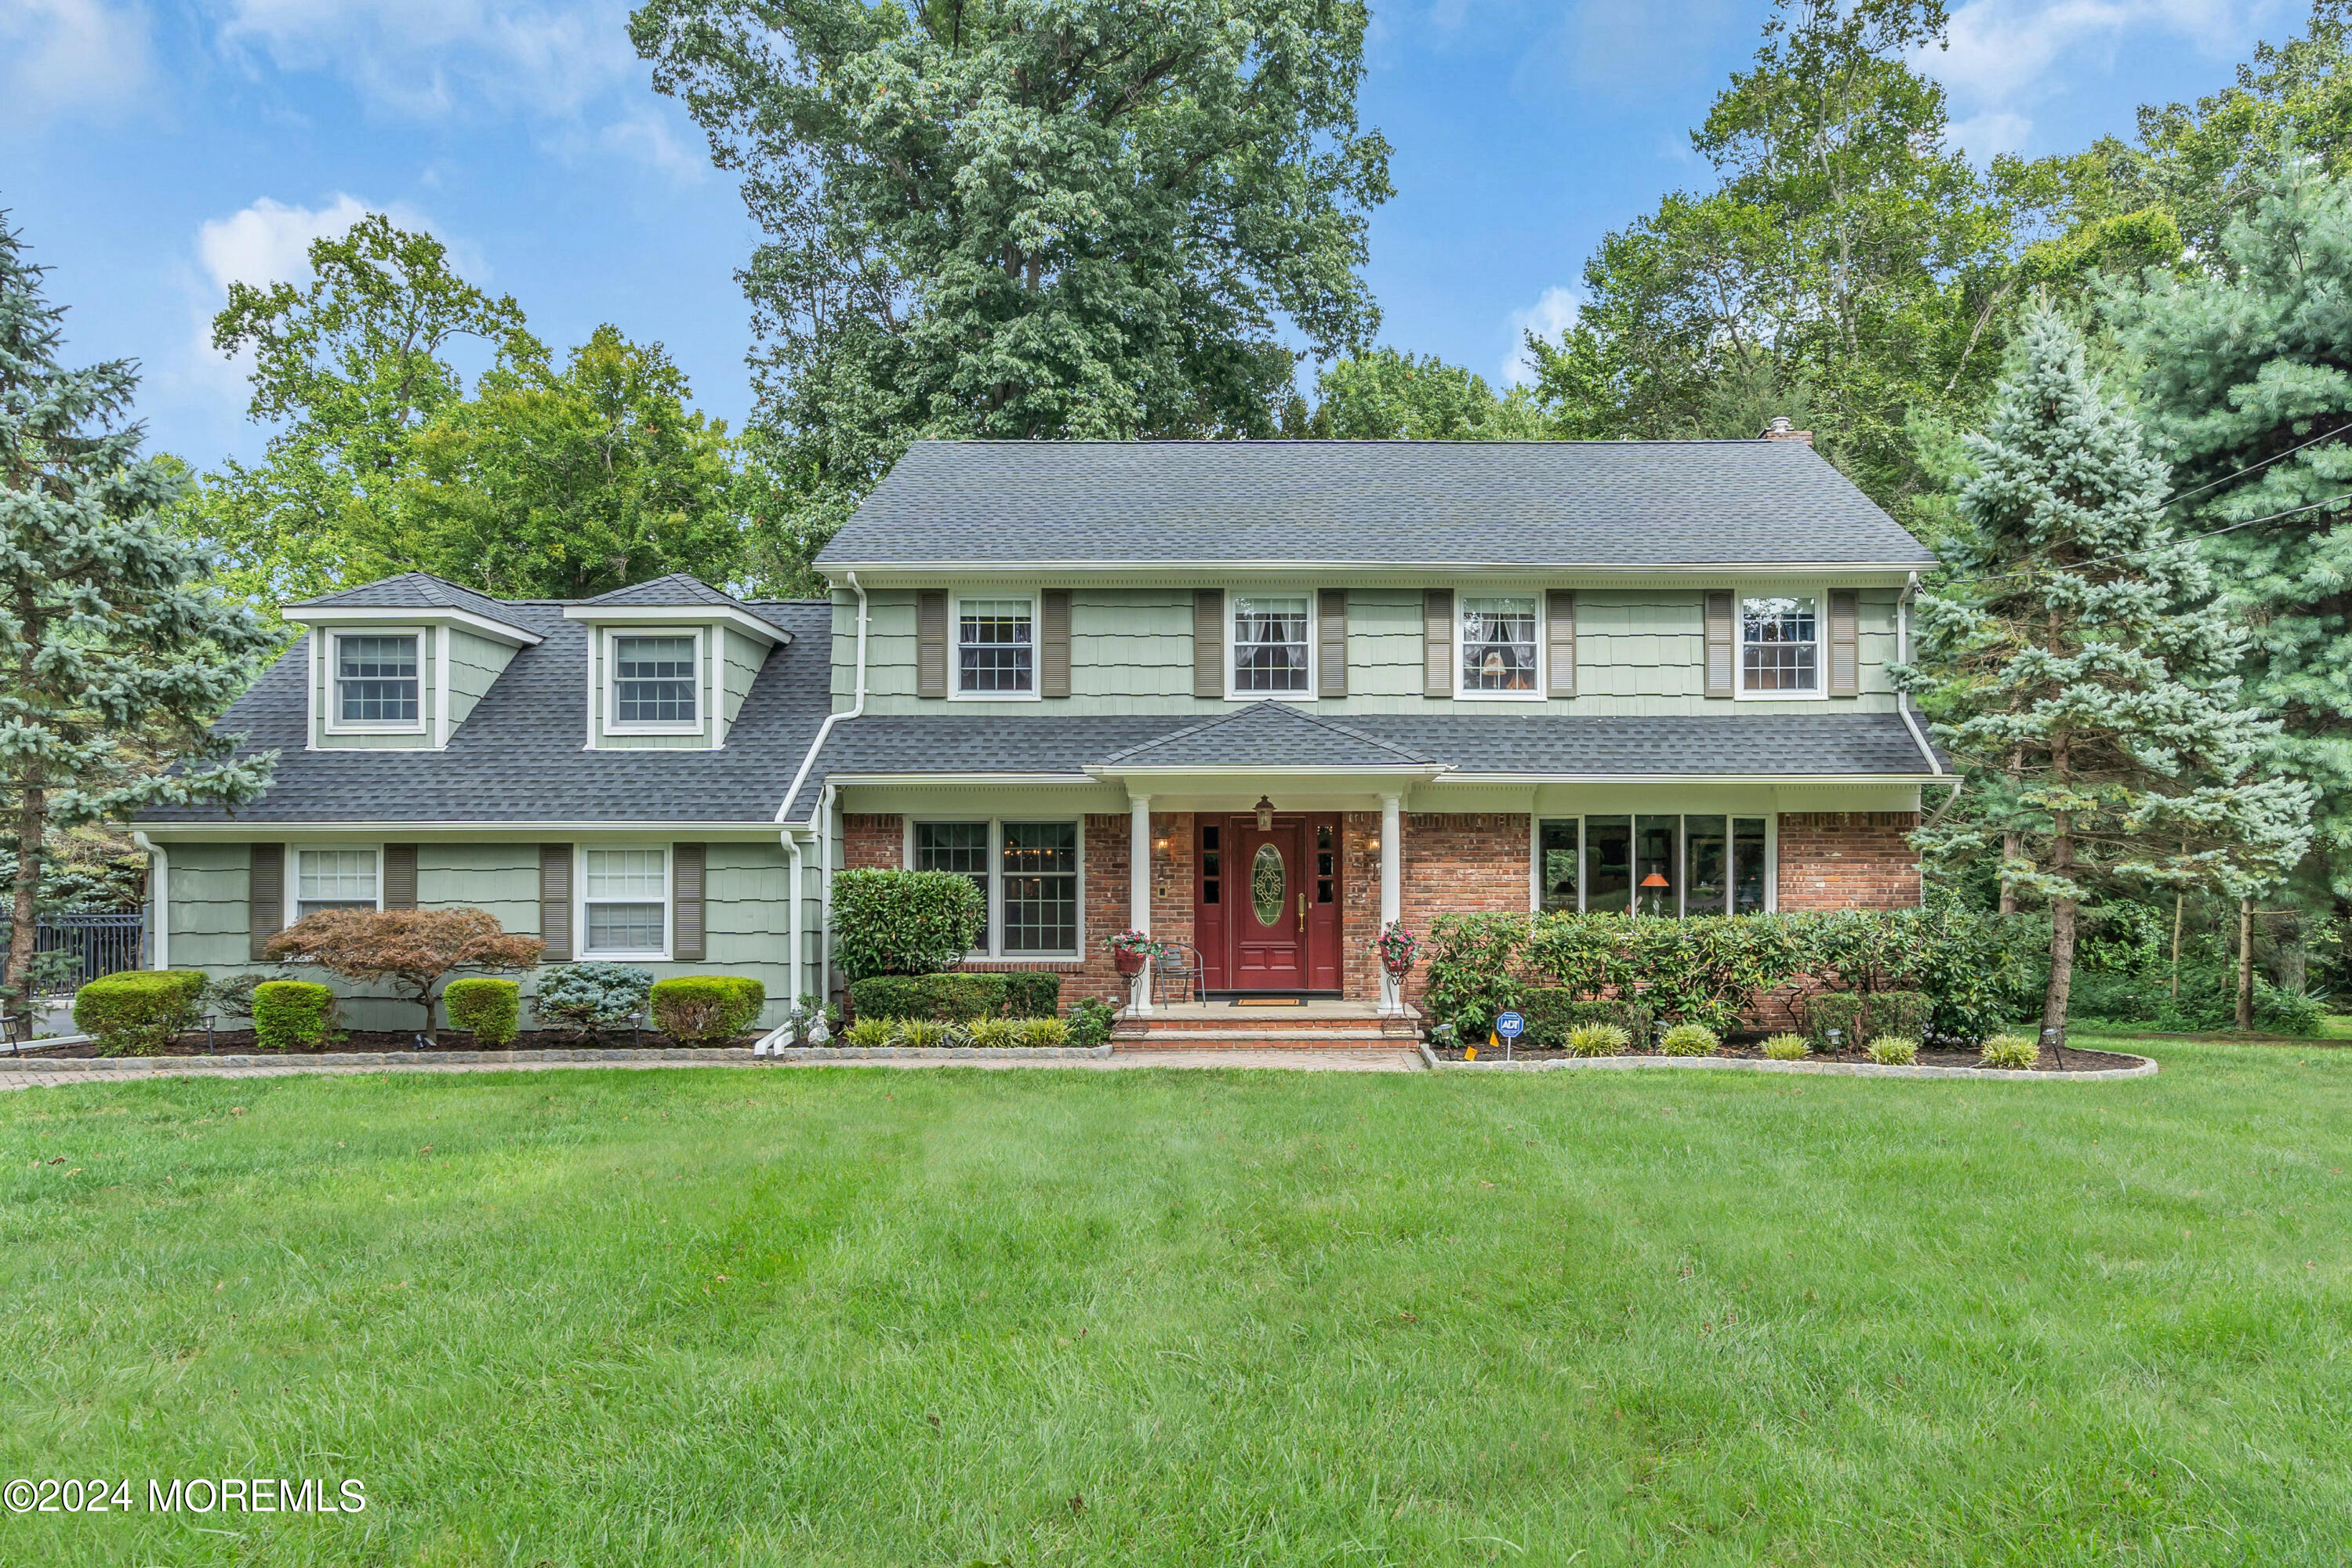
1139 891
1391 891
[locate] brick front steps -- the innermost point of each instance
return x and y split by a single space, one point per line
1218 1025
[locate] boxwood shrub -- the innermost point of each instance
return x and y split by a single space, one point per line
949 999
706 1009
292 1014
1838 1011
139 1010
904 923
1032 994
1905 1014
492 1008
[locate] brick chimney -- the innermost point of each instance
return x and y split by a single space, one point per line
1783 429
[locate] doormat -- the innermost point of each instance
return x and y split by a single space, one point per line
1269 1000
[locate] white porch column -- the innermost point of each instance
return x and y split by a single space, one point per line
1391 891
1139 891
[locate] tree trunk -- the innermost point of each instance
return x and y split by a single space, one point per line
432 1030
24 913
2062 936
2177 900
2246 963
2008 888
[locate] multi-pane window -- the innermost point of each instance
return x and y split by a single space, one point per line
1270 646
1498 646
1652 864
375 680
1028 872
625 894
960 848
1780 646
333 880
654 681
995 647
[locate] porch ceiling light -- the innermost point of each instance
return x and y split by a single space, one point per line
1264 809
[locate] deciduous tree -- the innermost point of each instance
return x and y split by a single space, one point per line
413 949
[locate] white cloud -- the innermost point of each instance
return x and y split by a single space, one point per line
60 56
1549 316
1995 131
270 242
2001 51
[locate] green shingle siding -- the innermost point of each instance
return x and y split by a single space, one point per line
475 665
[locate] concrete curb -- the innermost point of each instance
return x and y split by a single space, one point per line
2147 1068
731 1055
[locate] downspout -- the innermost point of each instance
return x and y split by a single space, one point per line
794 917
159 887
821 815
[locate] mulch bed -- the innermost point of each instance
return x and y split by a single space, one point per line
239 1042
2077 1059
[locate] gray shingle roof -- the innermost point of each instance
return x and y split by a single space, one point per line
677 588
1791 746
1267 734
519 756
1392 504
412 591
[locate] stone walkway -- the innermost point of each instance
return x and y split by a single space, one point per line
30 1075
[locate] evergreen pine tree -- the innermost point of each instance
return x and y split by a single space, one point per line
114 654
2082 673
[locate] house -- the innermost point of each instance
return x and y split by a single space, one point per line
1255 696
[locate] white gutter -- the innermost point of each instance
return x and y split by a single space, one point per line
1227 568
159 884
1903 698
856 707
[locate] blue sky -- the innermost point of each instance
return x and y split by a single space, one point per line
152 150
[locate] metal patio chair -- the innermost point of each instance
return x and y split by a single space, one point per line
1177 967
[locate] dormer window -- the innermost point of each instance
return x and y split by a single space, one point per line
654 682
376 685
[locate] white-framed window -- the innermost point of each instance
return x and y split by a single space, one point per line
1780 646
654 685
337 878
1273 641
1500 642
624 902
1684 863
996 647
1029 872
375 683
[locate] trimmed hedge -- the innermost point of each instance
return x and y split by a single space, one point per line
949 999
292 1014
1835 1012
1552 1011
139 1010
904 923
492 1008
706 1009
1032 994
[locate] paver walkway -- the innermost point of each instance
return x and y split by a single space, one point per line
29 1076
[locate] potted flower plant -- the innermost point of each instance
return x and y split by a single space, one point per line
1396 948
1129 949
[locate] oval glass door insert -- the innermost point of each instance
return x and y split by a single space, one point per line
1267 884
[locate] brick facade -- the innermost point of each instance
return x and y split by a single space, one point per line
1459 863
1848 861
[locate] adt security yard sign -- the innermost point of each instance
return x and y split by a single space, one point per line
1510 1025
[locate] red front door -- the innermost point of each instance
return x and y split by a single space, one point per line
1267 906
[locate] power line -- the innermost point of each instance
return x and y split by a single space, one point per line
2267 462
2174 544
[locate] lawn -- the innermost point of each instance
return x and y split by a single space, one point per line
951 1317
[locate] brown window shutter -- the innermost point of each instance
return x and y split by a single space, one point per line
1208 642
1437 642
932 643
1719 652
1845 640
1331 658
685 902
1559 622
400 875
266 897
555 902
1054 643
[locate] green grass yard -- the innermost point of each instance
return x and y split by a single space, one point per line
952 1317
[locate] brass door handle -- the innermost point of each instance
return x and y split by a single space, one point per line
1302 911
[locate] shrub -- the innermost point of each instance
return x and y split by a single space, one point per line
1598 1040
1031 992
492 1009
1472 970
1895 1051
140 1010
1090 1022
2011 1051
995 1034
231 997
904 923
2286 1012
1551 1011
868 1032
1043 1032
412 947
1689 1040
949 999
1903 1012
586 998
291 1015
1786 1048
706 1009
1833 1012
923 1033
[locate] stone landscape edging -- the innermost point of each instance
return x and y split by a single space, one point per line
737 1055
2147 1068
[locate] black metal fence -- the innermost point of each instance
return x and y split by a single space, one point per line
102 944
